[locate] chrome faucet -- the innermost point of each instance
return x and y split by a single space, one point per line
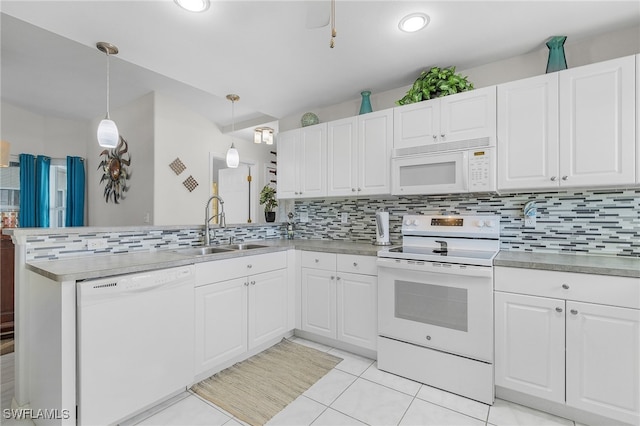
207 218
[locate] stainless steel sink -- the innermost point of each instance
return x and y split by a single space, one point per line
245 246
202 251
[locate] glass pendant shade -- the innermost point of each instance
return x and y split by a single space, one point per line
108 133
233 158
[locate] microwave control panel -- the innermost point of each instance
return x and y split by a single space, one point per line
482 170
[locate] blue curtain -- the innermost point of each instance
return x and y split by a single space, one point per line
27 216
43 165
75 192
34 191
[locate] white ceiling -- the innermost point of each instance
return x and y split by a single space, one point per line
263 50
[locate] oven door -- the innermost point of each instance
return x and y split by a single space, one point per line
443 173
442 306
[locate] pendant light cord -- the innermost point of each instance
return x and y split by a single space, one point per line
333 23
108 118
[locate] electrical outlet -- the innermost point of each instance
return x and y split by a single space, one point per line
97 243
344 218
530 221
146 218
304 217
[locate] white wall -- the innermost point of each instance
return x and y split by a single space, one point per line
182 133
135 124
32 133
611 45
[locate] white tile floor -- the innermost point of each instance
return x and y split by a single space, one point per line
355 392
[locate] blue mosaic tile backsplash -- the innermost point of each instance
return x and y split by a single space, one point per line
603 222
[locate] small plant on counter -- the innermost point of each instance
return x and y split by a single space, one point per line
268 199
435 83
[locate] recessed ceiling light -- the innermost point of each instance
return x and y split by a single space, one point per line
414 22
193 5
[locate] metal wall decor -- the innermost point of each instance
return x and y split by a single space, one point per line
190 183
115 174
177 166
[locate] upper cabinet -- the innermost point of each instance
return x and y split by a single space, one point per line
302 162
573 128
460 117
359 152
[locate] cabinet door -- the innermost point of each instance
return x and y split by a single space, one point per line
357 309
529 353
319 302
221 323
597 124
342 162
528 147
416 124
267 306
603 360
469 115
375 139
312 161
287 143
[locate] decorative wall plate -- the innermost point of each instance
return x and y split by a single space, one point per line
115 173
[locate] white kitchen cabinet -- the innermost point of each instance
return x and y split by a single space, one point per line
529 356
302 162
528 143
603 360
573 128
359 153
597 123
464 116
546 320
339 297
240 304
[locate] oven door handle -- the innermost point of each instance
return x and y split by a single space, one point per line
435 267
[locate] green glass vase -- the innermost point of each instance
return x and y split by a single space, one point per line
557 60
365 106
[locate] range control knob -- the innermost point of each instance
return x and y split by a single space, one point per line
480 223
489 223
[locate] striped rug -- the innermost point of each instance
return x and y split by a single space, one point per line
258 388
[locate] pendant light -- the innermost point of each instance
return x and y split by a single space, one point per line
233 158
107 130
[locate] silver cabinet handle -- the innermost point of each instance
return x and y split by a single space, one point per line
317 260
253 283
574 312
558 309
565 286
443 136
359 189
355 264
553 178
565 177
435 137
246 283
332 277
249 266
353 190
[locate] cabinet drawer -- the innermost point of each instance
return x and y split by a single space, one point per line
319 260
222 270
357 264
601 289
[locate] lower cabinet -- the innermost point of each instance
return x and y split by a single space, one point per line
339 297
235 315
570 347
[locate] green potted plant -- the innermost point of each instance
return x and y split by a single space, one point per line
435 83
268 199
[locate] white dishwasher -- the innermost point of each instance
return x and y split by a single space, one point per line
135 342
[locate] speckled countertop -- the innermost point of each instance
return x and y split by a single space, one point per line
82 268
588 264
98 266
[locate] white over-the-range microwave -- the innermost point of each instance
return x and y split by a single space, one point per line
446 168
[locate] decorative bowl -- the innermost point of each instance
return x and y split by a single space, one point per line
309 119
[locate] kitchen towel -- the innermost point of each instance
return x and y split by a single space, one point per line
258 388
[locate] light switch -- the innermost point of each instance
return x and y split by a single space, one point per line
304 217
